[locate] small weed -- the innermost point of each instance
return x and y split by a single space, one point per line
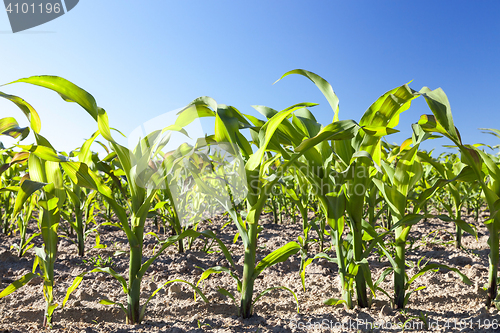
99 261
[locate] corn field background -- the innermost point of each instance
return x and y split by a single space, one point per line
266 224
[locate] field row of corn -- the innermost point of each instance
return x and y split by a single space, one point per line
365 194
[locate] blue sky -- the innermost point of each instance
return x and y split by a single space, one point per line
141 59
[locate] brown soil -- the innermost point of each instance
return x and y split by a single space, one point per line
451 306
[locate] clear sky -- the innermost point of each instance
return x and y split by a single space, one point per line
142 59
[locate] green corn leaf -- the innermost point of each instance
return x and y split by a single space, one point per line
199 108
45 153
395 200
103 124
265 111
165 244
108 302
240 225
492 131
279 255
323 86
117 276
386 109
227 254
28 111
55 178
407 296
408 171
67 90
303 272
443 119
85 154
17 284
304 120
334 301
435 267
323 255
466 227
269 129
204 101
76 282
81 175
340 130
462 224
388 255
365 270
409 220
226 293
382 276
379 131
27 188
216 270
10 127
492 167
50 310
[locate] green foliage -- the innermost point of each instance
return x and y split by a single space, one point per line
353 192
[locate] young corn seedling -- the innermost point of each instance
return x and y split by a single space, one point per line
227 122
360 159
24 217
47 174
277 135
441 122
11 164
398 190
451 170
81 201
298 190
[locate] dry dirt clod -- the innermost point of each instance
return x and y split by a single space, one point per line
385 311
174 290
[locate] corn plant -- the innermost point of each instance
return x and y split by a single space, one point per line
22 223
79 205
11 164
45 176
298 190
279 136
451 169
441 122
359 160
398 190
